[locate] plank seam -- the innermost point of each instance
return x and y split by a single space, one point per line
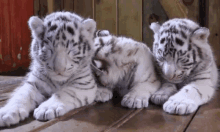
122 120
56 120
188 124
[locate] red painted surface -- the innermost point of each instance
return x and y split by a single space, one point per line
15 35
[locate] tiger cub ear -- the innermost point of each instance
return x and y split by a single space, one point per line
37 27
90 25
101 33
201 34
155 27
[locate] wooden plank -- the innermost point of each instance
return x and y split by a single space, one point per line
174 8
50 4
96 118
84 8
193 9
154 120
130 18
15 38
68 5
57 5
214 28
43 8
106 15
152 12
36 7
207 118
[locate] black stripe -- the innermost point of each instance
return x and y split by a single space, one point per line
200 94
82 77
80 102
199 52
84 47
70 30
75 24
86 101
64 36
54 27
183 34
198 79
179 41
67 44
85 88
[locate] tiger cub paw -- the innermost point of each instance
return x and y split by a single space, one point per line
159 99
180 106
163 94
103 95
136 100
12 115
48 111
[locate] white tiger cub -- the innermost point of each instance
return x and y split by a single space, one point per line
126 64
61 52
186 61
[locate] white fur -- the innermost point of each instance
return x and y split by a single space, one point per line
198 83
126 53
66 84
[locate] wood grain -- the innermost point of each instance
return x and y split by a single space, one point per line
152 12
130 18
68 5
106 15
207 118
15 34
174 8
84 8
214 27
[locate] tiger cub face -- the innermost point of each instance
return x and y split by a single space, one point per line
61 43
180 46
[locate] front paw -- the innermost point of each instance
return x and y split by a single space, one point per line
180 106
12 115
159 99
49 111
103 95
136 100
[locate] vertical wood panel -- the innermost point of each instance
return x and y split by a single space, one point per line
43 8
50 5
57 5
214 27
193 9
68 5
36 7
152 12
5 49
130 18
15 38
84 8
106 13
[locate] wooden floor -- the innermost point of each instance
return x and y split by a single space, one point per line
112 117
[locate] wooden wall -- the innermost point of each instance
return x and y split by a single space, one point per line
15 36
121 17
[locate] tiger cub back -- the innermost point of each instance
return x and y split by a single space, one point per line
125 64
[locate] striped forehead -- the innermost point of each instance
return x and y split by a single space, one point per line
59 32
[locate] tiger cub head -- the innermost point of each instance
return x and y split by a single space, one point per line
61 44
180 47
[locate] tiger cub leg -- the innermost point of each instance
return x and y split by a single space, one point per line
139 95
162 95
103 94
22 102
189 98
63 101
